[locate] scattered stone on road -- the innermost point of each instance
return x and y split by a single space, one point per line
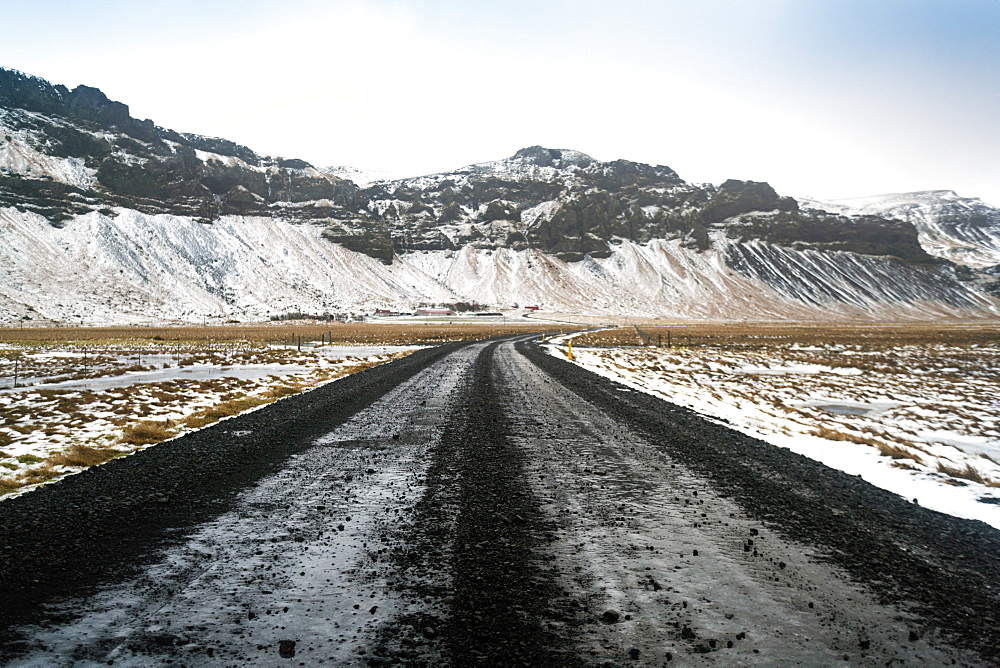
485 504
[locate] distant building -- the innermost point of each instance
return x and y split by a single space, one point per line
435 311
532 308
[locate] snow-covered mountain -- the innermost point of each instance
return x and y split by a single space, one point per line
361 177
104 218
964 230
135 267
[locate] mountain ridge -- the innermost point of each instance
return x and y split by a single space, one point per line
555 219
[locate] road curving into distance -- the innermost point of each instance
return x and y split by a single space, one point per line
486 504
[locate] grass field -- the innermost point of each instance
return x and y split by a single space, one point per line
361 333
743 335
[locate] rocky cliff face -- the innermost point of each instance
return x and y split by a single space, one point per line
64 153
566 204
552 226
962 230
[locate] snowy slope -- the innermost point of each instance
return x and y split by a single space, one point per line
137 268
362 177
18 156
134 267
665 279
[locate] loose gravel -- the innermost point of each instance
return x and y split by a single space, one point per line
100 525
506 508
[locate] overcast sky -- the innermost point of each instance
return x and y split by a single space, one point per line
826 98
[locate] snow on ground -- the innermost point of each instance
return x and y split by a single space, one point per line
135 268
917 420
74 407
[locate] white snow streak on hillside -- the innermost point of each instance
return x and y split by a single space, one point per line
18 157
665 279
137 268
140 268
361 177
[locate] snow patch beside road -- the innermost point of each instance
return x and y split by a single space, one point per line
940 417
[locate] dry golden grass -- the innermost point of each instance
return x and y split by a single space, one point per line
62 414
38 474
835 435
197 421
81 455
751 335
146 432
885 449
968 473
941 376
282 391
897 452
225 409
350 333
77 456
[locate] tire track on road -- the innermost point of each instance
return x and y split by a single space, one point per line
487 533
320 472
936 572
487 504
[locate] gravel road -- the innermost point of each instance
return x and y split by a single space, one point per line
486 504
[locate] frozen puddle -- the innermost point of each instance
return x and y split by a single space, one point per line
297 565
840 409
856 408
199 372
324 354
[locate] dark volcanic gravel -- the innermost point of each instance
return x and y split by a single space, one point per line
65 538
501 590
947 568
510 508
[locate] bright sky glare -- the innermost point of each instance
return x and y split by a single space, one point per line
826 98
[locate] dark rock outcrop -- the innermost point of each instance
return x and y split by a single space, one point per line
144 167
559 201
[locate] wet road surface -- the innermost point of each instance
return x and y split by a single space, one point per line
486 504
